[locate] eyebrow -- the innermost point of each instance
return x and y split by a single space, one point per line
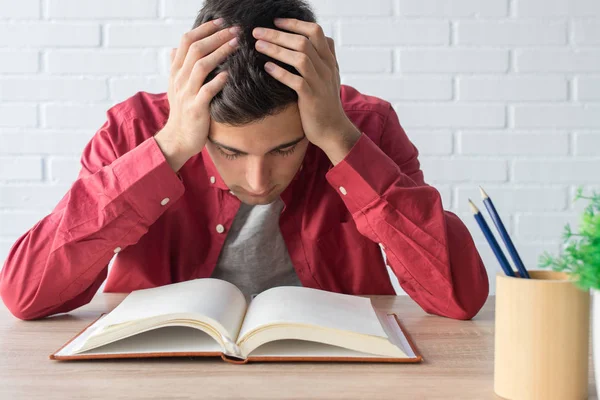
281 146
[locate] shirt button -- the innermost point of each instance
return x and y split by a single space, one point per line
231 192
165 201
220 228
343 190
118 249
213 179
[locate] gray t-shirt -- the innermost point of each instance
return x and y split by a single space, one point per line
254 256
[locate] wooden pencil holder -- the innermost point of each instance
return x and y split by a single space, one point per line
541 337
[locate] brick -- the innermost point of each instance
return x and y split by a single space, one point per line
64 170
587 88
44 142
101 62
511 33
181 8
31 196
409 88
386 32
446 60
19 61
546 226
74 116
556 171
39 88
557 8
587 144
463 170
560 60
27 9
351 8
504 143
431 142
155 34
556 116
451 115
453 8
80 9
18 115
512 89
364 60
514 199
50 34
20 168
586 32
123 88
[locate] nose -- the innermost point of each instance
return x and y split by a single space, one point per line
257 175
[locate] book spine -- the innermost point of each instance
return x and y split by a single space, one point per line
231 348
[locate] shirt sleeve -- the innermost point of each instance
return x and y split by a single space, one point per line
430 250
59 264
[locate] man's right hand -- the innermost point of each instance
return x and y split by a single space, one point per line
201 50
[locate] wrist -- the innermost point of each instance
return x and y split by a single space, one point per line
341 143
171 149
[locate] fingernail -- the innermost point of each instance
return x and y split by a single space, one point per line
259 32
218 22
269 67
278 20
234 29
233 42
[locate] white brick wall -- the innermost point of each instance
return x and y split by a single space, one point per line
499 93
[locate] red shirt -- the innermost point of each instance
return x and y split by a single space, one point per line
169 227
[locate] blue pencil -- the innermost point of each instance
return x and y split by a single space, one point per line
514 254
492 240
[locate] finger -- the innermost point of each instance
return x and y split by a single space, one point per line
172 55
204 48
200 32
210 90
298 60
292 41
311 30
298 83
331 44
204 66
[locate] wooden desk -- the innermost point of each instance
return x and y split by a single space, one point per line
459 364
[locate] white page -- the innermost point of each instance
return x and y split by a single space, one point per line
213 298
301 305
171 339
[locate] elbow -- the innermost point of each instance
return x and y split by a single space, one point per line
13 302
467 301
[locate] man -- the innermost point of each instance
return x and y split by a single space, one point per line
256 167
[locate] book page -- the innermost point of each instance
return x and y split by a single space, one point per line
215 299
301 305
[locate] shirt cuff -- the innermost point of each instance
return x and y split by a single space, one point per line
147 180
364 174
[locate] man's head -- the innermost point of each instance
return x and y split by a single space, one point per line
254 114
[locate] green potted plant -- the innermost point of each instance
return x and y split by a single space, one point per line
581 260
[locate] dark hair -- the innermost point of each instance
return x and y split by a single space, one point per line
250 93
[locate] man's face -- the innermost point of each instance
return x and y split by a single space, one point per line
257 161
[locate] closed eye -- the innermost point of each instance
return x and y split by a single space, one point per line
232 155
285 151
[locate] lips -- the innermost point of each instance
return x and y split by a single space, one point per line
259 194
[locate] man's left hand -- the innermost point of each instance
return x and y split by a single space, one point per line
323 118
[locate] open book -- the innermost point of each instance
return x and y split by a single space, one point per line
211 317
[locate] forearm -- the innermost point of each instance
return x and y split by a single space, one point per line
429 250
67 252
